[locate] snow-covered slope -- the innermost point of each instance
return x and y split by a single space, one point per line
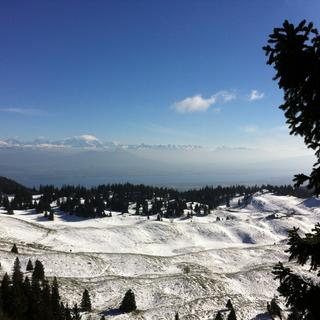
229 257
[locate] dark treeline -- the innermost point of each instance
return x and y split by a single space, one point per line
33 297
100 201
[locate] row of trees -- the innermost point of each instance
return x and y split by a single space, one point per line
35 298
22 298
100 201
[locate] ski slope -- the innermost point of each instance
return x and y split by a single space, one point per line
229 257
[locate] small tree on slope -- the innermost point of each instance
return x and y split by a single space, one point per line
229 304
129 302
29 265
86 301
14 249
232 315
38 272
218 316
76 313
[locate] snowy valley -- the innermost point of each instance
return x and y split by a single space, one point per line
186 265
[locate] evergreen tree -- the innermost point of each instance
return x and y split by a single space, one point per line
29 266
38 272
6 203
17 276
55 300
67 313
129 302
274 309
228 202
27 290
218 316
46 308
17 290
21 300
51 215
76 313
14 249
35 299
86 301
232 315
294 52
6 295
302 294
176 317
137 208
229 304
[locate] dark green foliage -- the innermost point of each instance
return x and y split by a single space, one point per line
22 300
305 249
86 301
294 52
232 315
103 318
57 308
76 313
302 294
46 308
66 313
17 275
14 249
6 294
29 265
129 302
8 186
274 309
43 205
38 272
5 202
218 316
229 304
94 202
51 215
4 316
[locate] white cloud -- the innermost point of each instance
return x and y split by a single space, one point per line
24 111
225 96
199 103
256 95
195 103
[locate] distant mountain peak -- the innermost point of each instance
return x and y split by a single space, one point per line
88 141
82 141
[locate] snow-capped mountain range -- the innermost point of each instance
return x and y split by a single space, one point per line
85 142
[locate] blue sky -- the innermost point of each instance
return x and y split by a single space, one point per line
138 71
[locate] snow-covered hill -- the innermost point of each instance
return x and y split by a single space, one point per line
229 253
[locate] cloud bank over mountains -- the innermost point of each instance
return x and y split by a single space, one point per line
85 142
87 160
